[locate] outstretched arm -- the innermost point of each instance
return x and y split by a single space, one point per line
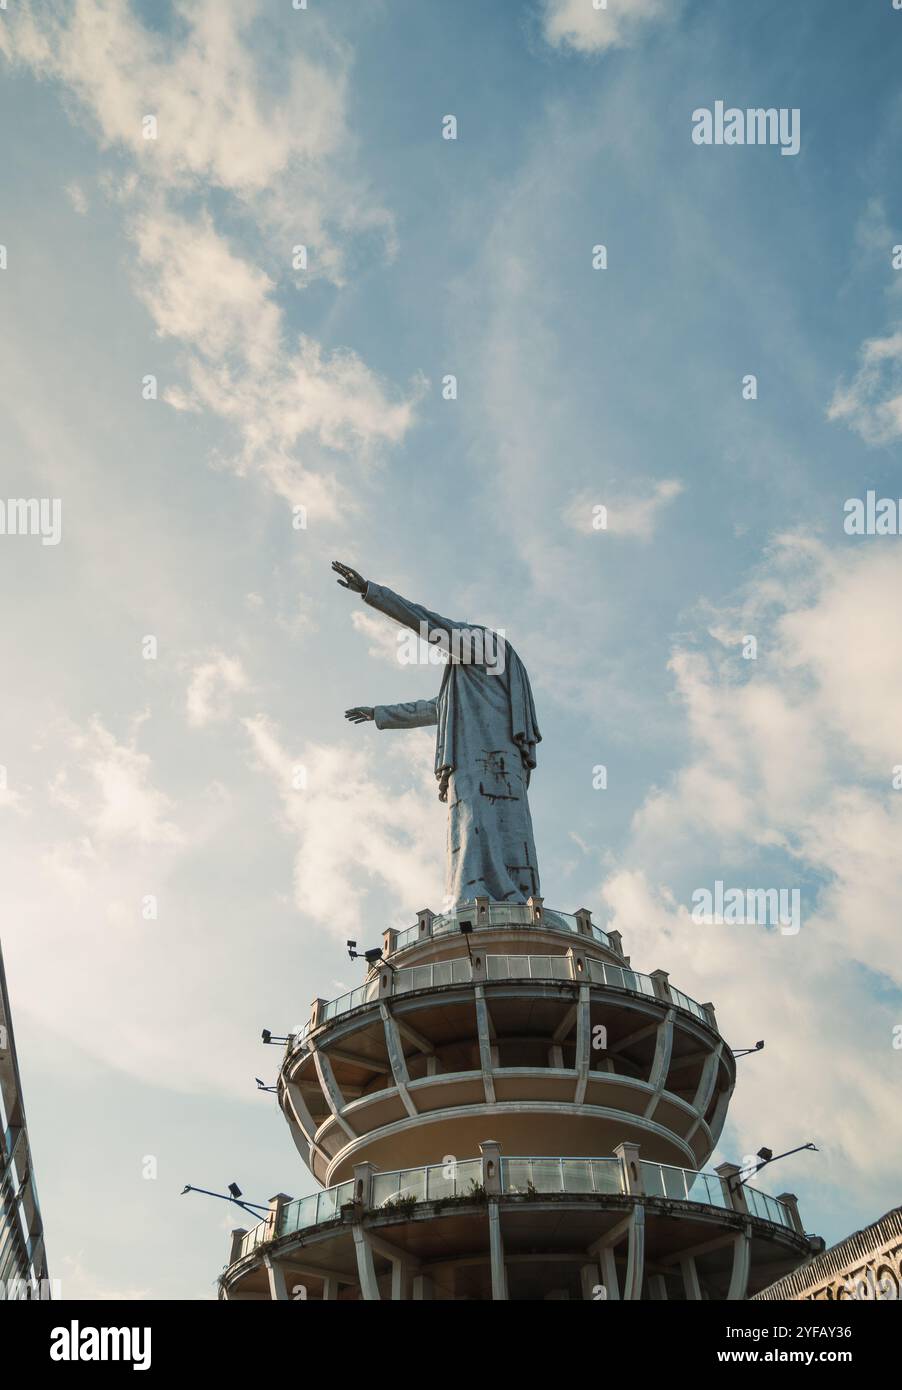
393 605
416 714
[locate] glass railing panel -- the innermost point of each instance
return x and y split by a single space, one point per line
518 967
539 967
460 970
607 1175
599 935
440 1181
708 1189
386 1186
652 1178
466 1174
560 968
559 921
497 967
412 1184
674 1180
516 1174
578 1175
596 971
509 914
442 972
548 1175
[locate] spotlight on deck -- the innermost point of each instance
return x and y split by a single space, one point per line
235 1190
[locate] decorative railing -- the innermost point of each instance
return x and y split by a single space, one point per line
532 1177
500 915
459 970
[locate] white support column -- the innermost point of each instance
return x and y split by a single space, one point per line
589 1279
278 1289
304 1121
397 1059
332 1091
583 1044
422 1288
485 1043
400 1280
330 1288
739 1279
691 1285
661 1062
366 1269
705 1089
635 1263
496 1252
657 1288
609 1273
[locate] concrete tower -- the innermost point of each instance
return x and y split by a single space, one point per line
506 1109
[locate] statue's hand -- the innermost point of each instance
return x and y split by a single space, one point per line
360 714
350 579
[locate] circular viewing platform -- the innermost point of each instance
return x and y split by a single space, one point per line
617 1227
509 1019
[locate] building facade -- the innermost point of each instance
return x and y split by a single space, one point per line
23 1258
866 1265
507 1109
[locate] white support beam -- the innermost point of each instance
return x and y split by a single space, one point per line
496 1252
484 1029
691 1286
397 1059
583 1043
366 1269
739 1278
661 1063
635 1261
332 1091
278 1289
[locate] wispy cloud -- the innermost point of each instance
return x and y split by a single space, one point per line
589 28
623 514
212 684
871 403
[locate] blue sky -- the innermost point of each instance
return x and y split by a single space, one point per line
280 388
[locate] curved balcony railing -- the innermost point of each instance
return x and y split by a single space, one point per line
459 970
519 1176
500 915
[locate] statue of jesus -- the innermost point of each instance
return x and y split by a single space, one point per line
485 748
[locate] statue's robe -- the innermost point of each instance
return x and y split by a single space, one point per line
485 751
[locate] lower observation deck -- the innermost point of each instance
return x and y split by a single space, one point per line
522 1228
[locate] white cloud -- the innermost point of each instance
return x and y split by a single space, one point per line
212 683
871 403
76 195
629 514
580 25
265 123
790 764
108 785
350 829
382 637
